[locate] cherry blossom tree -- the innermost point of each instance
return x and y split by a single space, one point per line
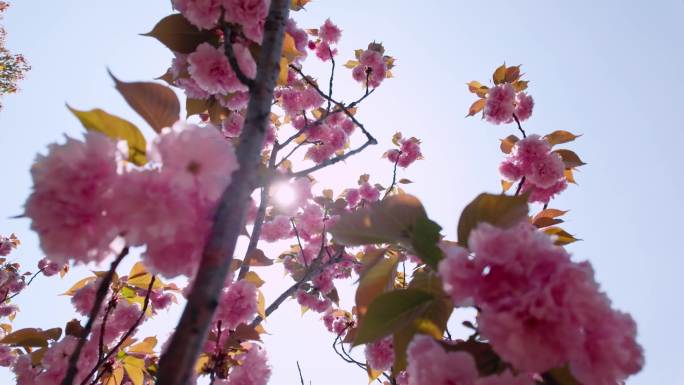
242 163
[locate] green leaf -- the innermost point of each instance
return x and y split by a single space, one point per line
424 239
115 128
128 292
176 33
387 221
390 312
431 319
499 210
155 103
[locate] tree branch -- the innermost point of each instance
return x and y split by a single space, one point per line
177 363
99 298
316 267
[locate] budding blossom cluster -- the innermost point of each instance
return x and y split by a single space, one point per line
84 195
538 309
531 158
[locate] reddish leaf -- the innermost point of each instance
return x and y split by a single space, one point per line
156 103
570 159
176 33
508 143
476 107
560 136
499 210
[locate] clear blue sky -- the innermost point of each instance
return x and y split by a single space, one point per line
611 70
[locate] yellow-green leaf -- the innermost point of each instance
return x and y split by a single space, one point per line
561 237
390 312
32 337
135 369
499 210
560 136
387 221
145 347
115 128
261 304
254 278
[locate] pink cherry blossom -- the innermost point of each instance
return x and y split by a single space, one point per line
368 192
380 354
253 368
523 106
238 304
84 298
73 190
430 364
49 268
196 157
329 32
371 70
210 69
232 125
250 14
500 104
276 229
324 51
544 171
202 13
539 309
7 358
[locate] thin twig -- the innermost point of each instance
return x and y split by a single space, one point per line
331 161
332 76
315 268
228 48
519 126
344 108
27 284
301 378
99 298
394 178
517 190
299 242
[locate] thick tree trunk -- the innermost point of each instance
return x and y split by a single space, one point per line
177 363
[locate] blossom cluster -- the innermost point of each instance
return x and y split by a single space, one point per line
538 309
531 158
407 153
504 103
429 363
83 193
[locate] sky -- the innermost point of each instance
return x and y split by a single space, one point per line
610 70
